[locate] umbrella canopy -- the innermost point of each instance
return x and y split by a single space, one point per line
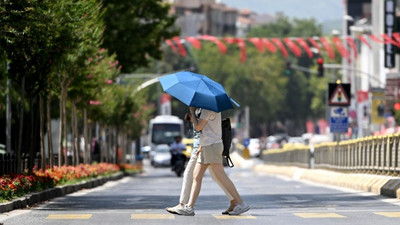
197 90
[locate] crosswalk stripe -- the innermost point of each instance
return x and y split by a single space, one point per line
69 216
227 217
388 214
150 216
318 215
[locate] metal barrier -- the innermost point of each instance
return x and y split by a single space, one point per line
375 154
295 156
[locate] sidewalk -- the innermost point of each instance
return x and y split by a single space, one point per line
378 184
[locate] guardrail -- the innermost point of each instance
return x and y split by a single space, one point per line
375 154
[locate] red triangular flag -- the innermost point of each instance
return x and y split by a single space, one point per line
292 46
339 45
177 40
305 46
281 46
328 47
194 42
258 44
271 47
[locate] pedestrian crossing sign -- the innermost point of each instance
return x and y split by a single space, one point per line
339 94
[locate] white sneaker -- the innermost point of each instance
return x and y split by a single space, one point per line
185 211
173 209
239 209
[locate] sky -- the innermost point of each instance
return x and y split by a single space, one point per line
321 10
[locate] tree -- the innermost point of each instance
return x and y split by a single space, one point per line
135 30
303 96
27 36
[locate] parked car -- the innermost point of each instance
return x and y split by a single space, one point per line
254 147
160 156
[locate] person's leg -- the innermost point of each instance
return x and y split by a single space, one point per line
198 174
224 180
187 180
239 206
227 194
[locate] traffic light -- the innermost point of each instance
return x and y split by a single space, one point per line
288 69
320 62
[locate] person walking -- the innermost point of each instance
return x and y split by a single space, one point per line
209 123
188 176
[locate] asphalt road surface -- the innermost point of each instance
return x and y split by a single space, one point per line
142 200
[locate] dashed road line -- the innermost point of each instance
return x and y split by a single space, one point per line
69 216
318 215
152 216
388 214
228 217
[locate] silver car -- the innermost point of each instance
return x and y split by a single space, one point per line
160 156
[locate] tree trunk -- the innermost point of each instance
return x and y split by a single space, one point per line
49 132
116 145
21 126
85 138
61 130
31 142
64 121
75 134
41 133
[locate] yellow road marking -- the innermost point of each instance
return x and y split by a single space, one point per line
388 214
227 217
318 215
69 216
152 217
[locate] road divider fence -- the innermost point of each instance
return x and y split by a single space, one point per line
374 154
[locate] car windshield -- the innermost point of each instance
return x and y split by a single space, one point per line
163 148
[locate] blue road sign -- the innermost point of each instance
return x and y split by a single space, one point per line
339 121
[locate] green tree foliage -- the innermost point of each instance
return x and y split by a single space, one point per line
257 83
304 97
135 30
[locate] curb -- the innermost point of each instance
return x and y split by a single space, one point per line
378 184
37 197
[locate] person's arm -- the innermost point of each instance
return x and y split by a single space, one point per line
197 123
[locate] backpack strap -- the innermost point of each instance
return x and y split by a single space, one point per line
229 161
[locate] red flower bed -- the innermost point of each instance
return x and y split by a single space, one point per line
16 185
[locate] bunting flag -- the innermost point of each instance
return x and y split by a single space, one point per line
292 46
281 46
241 44
328 47
221 46
194 42
362 38
271 47
389 40
345 46
396 37
305 47
339 45
352 45
377 40
182 50
257 43
314 44
169 42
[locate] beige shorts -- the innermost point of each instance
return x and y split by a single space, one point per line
211 154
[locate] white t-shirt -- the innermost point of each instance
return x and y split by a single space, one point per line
212 131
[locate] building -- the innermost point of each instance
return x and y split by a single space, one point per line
198 17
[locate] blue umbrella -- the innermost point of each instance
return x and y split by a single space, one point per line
197 90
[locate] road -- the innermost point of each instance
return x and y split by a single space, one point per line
142 199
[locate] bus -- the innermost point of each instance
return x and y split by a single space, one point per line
163 129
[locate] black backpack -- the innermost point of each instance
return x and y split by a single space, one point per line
227 141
